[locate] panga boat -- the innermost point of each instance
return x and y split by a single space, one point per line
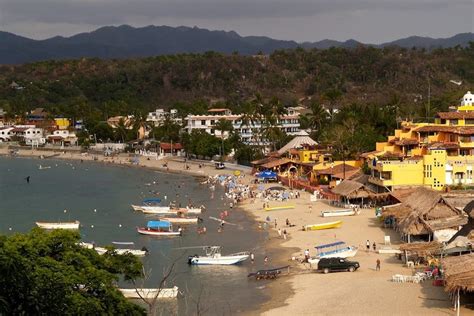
58 225
119 251
336 213
181 220
150 294
214 257
328 225
277 208
158 228
336 250
152 209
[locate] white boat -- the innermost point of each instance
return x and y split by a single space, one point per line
151 209
337 213
44 167
159 228
147 209
214 257
119 251
58 225
122 251
181 220
338 250
150 294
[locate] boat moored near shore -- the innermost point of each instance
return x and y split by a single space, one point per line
58 225
159 228
214 257
150 294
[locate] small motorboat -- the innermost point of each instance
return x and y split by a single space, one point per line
279 208
268 273
214 257
336 250
159 228
150 294
181 220
119 251
336 213
328 225
151 209
122 251
58 225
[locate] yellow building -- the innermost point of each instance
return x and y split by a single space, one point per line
62 123
435 154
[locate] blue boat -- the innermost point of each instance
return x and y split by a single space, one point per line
338 249
158 224
151 201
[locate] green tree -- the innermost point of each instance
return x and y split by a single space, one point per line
48 273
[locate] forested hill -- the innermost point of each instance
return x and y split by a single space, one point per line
334 77
129 42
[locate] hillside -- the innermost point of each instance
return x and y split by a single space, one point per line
128 42
335 77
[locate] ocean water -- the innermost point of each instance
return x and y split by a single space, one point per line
99 196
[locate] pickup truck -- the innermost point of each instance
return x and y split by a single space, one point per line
327 265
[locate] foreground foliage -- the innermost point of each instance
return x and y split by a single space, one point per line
48 273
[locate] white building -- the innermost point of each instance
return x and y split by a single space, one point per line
288 123
6 133
30 134
159 115
62 137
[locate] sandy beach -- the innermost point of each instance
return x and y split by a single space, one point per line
305 292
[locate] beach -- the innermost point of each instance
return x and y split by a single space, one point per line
364 292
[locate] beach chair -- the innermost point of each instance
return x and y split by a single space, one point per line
386 240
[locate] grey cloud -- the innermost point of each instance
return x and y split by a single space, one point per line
104 12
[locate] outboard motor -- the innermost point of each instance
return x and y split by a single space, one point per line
190 259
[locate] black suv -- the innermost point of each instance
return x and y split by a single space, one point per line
327 265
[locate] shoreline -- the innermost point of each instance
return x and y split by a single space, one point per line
279 290
304 291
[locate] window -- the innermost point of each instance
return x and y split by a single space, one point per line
203 122
453 122
469 122
212 131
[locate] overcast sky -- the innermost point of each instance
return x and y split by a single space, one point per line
369 21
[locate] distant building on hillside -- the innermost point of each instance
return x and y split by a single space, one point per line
248 131
159 115
38 114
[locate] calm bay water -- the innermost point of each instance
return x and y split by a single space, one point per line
80 188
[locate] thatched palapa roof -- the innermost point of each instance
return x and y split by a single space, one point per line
352 189
459 273
422 249
425 211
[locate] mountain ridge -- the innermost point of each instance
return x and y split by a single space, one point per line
124 41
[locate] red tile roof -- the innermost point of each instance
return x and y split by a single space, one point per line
455 115
461 130
168 146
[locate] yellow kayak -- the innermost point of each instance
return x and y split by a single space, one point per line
276 208
328 225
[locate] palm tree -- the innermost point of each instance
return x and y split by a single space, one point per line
318 117
122 129
223 126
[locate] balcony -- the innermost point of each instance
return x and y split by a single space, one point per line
380 182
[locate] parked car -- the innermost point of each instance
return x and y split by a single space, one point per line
220 165
327 265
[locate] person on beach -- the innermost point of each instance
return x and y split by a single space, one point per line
306 255
287 222
279 232
265 261
252 257
27 179
276 223
377 267
374 246
367 245
284 234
